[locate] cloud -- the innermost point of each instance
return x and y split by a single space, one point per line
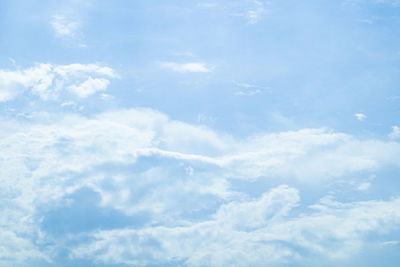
390 243
252 11
48 81
249 93
185 67
64 27
18 248
360 116
89 87
181 176
395 134
250 90
12 83
255 15
247 233
364 186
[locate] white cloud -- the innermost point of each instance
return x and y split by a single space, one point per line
250 90
124 135
64 27
360 116
89 87
250 233
185 67
67 104
12 83
364 186
47 80
395 134
252 10
191 171
106 97
390 243
83 69
254 16
18 247
249 93
255 214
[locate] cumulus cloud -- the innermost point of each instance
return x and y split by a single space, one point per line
249 233
185 67
47 80
18 248
139 161
89 87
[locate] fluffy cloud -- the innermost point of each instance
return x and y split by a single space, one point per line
395 134
47 80
249 233
138 161
19 249
89 87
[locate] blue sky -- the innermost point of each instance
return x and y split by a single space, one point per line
199 133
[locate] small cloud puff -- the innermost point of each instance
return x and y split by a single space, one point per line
395 134
364 186
360 116
64 27
185 67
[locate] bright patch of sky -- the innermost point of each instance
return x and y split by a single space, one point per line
199 133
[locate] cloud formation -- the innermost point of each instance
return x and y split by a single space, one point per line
138 162
47 80
64 27
255 232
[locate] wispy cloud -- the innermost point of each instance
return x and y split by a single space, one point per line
248 93
391 243
252 11
255 15
250 89
64 27
185 67
364 186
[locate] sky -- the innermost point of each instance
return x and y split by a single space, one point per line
199 133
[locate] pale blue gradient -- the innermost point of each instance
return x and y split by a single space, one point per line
270 70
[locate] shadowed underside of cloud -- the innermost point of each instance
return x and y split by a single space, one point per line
138 162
